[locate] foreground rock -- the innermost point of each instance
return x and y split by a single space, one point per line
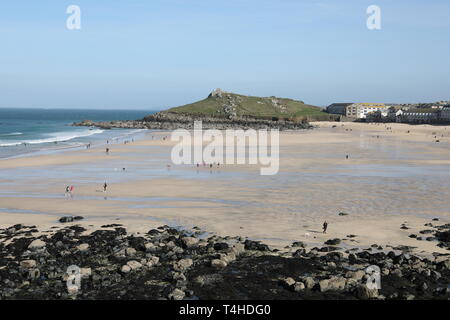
168 263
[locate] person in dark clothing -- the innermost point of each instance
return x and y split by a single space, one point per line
104 187
325 226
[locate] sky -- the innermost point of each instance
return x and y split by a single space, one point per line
154 54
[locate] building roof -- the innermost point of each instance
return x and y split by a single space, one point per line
341 104
421 110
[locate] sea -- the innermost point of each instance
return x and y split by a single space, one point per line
29 131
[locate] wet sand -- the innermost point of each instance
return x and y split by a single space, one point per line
391 177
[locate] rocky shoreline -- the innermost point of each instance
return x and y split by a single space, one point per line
176 264
172 121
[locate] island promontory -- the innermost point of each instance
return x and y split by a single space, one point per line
224 110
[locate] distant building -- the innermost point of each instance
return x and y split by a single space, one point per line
361 110
338 108
445 113
420 115
356 110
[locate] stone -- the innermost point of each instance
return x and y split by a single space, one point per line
66 219
177 294
397 272
130 252
298 244
299 286
189 241
352 258
333 242
435 275
154 260
309 282
134 265
154 232
444 265
220 246
85 272
83 247
125 269
256 245
334 283
227 258
363 292
443 236
36 244
218 264
288 282
299 253
238 248
357 275
28 264
183 264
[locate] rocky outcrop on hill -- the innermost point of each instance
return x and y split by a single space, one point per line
169 263
172 121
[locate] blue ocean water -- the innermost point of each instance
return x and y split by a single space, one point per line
24 131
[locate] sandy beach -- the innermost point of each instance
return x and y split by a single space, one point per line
395 174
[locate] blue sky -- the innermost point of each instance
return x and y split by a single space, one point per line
153 54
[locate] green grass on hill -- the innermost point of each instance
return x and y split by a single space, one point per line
241 106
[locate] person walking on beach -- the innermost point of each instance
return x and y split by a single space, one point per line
325 226
107 150
67 191
105 186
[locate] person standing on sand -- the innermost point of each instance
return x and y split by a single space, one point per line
105 186
325 226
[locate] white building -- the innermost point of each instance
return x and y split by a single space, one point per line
422 115
361 110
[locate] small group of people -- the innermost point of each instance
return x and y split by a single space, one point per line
128 141
204 164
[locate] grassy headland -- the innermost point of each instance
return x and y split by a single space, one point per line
222 104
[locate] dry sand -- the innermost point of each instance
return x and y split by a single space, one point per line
391 177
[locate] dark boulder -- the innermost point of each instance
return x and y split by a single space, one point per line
255 245
220 246
333 242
